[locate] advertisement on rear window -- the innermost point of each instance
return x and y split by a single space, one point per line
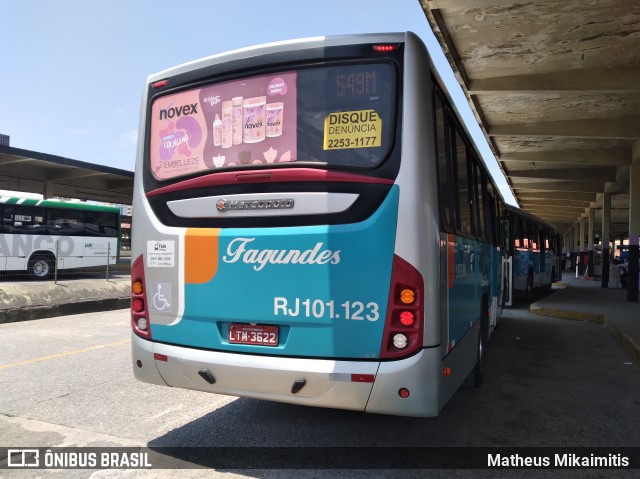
244 122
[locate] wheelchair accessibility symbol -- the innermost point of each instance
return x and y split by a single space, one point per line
161 300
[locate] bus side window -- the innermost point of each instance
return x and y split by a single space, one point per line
464 205
478 200
502 223
443 163
491 213
7 219
27 220
101 224
506 230
91 227
64 221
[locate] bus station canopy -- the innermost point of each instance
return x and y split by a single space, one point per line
51 175
555 87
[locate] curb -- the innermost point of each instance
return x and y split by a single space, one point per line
566 314
15 315
26 302
627 343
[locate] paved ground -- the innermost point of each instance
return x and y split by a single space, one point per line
588 301
67 381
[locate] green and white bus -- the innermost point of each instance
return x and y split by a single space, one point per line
34 234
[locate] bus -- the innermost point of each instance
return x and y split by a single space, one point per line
533 252
313 225
37 234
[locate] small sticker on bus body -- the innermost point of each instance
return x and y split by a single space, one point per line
160 253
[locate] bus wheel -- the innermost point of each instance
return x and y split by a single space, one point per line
41 267
529 291
547 287
478 372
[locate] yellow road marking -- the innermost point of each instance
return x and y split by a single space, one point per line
68 353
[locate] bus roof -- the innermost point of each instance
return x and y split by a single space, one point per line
14 200
523 213
277 47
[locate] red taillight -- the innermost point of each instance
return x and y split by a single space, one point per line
139 316
137 305
159 84
406 318
385 48
403 329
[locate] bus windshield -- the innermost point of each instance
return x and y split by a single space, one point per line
338 115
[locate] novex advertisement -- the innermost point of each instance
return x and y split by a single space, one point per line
241 122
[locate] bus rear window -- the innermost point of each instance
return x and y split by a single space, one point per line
333 115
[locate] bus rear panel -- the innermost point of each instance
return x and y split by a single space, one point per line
281 250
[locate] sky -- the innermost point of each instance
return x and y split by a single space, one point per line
72 72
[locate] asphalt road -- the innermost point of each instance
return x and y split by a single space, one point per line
67 381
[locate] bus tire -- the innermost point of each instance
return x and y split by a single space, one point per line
41 266
528 293
481 352
547 287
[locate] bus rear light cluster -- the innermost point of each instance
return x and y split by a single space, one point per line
403 330
139 314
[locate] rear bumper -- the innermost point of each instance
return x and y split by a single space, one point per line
329 383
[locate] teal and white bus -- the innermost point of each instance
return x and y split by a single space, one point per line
313 225
534 251
35 234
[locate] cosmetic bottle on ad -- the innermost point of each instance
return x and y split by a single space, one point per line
254 119
227 124
217 131
237 120
274 119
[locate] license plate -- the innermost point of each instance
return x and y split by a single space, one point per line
257 335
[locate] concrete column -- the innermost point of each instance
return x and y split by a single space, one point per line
576 247
606 225
47 189
590 236
581 246
634 233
